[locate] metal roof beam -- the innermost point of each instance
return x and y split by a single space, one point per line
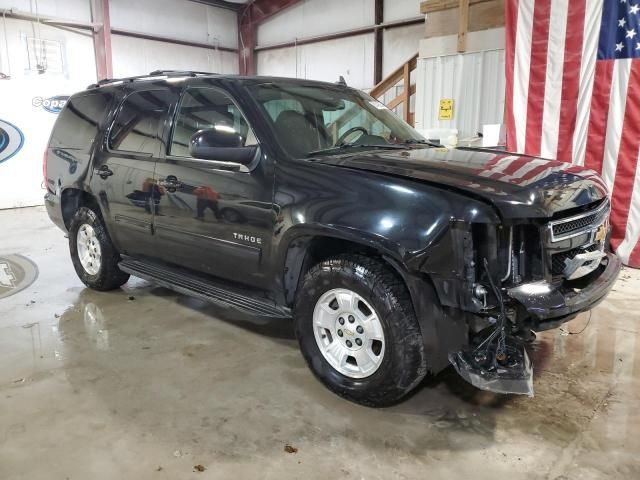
249 18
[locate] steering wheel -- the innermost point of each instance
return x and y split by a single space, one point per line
340 140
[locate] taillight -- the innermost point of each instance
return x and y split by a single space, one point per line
44 169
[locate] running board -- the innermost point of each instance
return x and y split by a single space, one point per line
195 286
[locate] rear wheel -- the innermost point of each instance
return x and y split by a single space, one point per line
358 332
94 257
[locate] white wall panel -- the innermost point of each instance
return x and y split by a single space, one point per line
400 44
316 17
135 56
401 9
350 57
77 10
475 81
21 174
222 27
278 63
178 19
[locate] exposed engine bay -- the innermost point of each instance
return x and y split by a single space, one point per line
573 267
499 363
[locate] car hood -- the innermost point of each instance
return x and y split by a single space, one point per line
519 186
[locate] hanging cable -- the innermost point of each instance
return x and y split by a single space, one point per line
503 316
583 328
39 49
6 76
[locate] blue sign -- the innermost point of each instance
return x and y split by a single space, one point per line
11 140
51 104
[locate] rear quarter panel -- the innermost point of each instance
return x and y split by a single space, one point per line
74 136
78 129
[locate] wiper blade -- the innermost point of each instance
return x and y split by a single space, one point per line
415 141
346 146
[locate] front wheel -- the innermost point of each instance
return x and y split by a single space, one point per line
358 331
94 257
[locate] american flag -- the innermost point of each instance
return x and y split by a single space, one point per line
573 94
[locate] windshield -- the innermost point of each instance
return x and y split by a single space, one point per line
311 120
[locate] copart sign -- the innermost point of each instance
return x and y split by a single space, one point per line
11 140
51 104
16 274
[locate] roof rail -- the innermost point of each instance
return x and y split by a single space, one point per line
190 73
155 73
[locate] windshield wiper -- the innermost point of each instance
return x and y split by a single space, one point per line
345 146
415 141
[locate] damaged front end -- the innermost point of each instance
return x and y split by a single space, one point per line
524 277
499 363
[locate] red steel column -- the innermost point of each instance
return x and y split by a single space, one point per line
102 38
248 20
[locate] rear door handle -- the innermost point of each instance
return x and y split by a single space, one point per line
104 171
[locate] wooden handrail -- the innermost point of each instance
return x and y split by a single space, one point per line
393 78
400 74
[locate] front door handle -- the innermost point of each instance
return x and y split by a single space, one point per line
171 183
104 171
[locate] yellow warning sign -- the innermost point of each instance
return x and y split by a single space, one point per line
446 109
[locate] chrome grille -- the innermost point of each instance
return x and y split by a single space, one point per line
578 224
573 226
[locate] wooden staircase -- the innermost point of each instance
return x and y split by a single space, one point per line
387 92
399 79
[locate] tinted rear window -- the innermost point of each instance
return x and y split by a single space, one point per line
78 123
138 123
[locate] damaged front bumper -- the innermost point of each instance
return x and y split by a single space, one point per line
500 362
549 306
496 367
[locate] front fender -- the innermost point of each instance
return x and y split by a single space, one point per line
443 329
291 249
384 245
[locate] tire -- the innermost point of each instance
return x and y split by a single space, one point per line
403 361
107 276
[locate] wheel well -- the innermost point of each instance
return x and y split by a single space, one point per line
72 200
305 252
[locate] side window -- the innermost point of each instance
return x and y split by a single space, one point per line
77 125
204 108
138 123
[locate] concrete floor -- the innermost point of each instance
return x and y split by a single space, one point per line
98 386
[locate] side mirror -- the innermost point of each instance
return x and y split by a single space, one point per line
221 143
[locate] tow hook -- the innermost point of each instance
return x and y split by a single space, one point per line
499 363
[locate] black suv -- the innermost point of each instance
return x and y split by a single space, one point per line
297 199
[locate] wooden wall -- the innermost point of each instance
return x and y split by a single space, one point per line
443 16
